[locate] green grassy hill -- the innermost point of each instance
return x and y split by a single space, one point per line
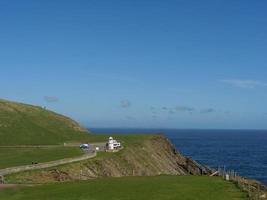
22 124
132 188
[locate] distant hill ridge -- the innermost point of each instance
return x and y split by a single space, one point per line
23 124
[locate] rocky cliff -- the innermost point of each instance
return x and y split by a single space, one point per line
143 155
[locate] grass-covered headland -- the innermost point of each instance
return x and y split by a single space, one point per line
24 126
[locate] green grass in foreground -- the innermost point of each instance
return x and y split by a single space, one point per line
132 188
11 157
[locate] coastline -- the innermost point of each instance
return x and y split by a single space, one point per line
235 150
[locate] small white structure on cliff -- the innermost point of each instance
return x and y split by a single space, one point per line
113 144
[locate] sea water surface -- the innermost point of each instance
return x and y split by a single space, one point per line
244 151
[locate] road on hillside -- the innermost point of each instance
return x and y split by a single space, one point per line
17 169
91 153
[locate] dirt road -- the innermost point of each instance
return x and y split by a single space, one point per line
17 169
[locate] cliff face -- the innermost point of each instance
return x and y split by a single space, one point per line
142 156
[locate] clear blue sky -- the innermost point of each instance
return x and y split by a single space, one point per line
122 63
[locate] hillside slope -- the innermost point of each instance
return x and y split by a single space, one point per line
22 124
143 155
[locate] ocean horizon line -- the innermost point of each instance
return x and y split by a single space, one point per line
181 129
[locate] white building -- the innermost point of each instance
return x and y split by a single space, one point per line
113 144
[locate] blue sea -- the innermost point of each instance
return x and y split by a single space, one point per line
244 151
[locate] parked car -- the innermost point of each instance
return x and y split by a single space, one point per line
84 146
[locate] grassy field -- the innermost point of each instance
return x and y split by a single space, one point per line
23 156
132 188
